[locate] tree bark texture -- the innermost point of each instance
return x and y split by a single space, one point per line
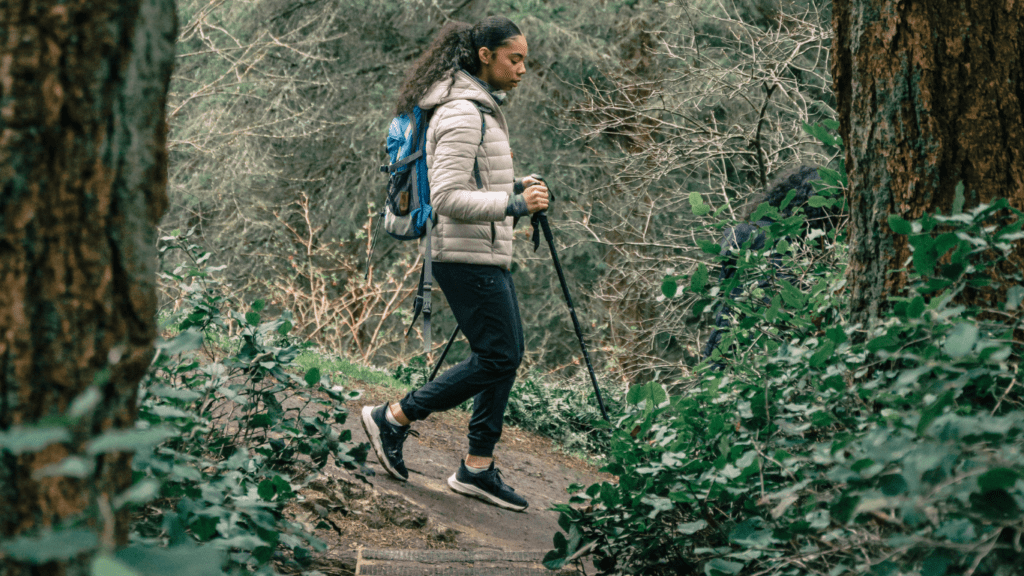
930 94
83 171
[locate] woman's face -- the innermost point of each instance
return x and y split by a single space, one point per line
504 66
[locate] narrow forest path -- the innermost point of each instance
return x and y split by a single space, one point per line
382 513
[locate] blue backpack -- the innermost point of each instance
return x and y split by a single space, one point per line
407 213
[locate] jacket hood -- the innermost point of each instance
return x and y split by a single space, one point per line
464 88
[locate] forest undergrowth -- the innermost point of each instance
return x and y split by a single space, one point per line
809 445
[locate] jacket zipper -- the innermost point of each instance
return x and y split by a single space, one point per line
492 233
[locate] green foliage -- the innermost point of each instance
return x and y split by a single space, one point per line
227 434
248 430
565 413
827 448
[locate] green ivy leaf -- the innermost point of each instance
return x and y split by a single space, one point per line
555 559
817 201
763 209
22 439
997 478
916 307
697 205
709 247
794 298
266 490
836 334
961 340
773 310
669 287
958 199
85 402
187 341
1014 296
191 560
652 392
789 198
699 280
933 411
261 421
820 133
70 467
691 527
722 566
900 226
50 546
893 484
843 509
995 504
312 376
104 565
128 440
823 353
204 527
285 328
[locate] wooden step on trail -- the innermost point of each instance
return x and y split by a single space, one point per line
451 563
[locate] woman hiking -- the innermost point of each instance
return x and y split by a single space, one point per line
462 80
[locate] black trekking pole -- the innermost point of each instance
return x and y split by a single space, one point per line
443 354
542 219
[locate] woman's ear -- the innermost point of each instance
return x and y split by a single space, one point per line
484 53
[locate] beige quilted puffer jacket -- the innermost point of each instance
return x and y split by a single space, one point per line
471 224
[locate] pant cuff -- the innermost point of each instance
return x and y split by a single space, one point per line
411 410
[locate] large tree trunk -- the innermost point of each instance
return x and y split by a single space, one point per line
83 169
930 94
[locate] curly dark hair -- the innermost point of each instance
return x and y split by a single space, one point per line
800 179
455 47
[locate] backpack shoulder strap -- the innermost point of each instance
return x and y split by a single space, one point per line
483 130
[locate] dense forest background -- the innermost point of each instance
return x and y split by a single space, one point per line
652 121
862 413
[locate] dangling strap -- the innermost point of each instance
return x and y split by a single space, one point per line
428 284
422 304
483 130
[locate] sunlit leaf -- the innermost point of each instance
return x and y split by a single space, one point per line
961 340
53 545
128 440
22 439
104 565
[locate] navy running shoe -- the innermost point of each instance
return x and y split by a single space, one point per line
486 486
387 440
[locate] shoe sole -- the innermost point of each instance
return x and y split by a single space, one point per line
474 492
373 433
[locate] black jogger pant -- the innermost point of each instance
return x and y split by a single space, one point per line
483 300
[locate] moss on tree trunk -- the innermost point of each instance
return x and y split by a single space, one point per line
930 94
83 170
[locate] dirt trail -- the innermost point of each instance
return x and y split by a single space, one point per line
423 512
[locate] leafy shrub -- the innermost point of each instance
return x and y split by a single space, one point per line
563 413
827 448
248 430
226 437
